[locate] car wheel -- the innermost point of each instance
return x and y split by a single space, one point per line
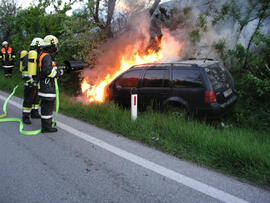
176 110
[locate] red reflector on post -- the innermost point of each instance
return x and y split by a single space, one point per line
209 97
134 109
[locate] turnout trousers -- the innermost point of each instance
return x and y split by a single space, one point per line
8 70
47 107
31 101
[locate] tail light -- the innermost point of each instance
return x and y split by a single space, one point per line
209 97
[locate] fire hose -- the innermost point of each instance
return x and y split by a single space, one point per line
22 131
70 66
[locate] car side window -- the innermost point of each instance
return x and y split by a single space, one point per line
156 78
187 79
129 79
217 76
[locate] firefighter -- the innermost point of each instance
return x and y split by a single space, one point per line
47 78
7 56
31 99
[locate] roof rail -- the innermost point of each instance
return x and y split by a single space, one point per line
210 59
165 64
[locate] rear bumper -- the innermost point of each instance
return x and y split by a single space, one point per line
216 110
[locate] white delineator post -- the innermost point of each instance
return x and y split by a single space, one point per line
134 109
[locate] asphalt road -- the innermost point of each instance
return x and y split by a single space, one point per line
82 163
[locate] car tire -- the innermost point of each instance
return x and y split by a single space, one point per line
176 110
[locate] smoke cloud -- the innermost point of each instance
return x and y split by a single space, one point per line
109 54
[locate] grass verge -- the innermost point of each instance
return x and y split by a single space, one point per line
235 151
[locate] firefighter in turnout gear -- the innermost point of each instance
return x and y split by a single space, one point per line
7 56
47 78
28 63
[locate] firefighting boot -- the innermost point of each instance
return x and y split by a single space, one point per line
46 125
26 120
35 113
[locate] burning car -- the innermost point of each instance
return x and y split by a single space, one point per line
202 87
197 86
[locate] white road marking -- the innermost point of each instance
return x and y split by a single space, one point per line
184 180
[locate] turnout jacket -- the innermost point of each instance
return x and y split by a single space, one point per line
7 55
48 72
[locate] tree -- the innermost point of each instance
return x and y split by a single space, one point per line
36 22
263 12
241 13
104 21
94 8
8 12
154 7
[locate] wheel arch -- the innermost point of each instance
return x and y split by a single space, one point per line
178 100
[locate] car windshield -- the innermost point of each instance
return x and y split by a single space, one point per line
217 76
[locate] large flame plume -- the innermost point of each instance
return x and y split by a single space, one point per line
122 54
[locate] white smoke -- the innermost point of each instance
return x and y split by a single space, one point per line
135 38
172 15
181 23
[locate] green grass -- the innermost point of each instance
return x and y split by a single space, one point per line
7 84
240 152
233 151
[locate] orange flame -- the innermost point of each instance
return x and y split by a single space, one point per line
96 92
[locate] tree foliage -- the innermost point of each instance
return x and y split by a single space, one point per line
8 12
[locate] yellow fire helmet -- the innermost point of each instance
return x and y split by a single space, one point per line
37 41
4 43
50 40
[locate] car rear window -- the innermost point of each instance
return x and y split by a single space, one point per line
129 79
218 76
183 78
156 78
